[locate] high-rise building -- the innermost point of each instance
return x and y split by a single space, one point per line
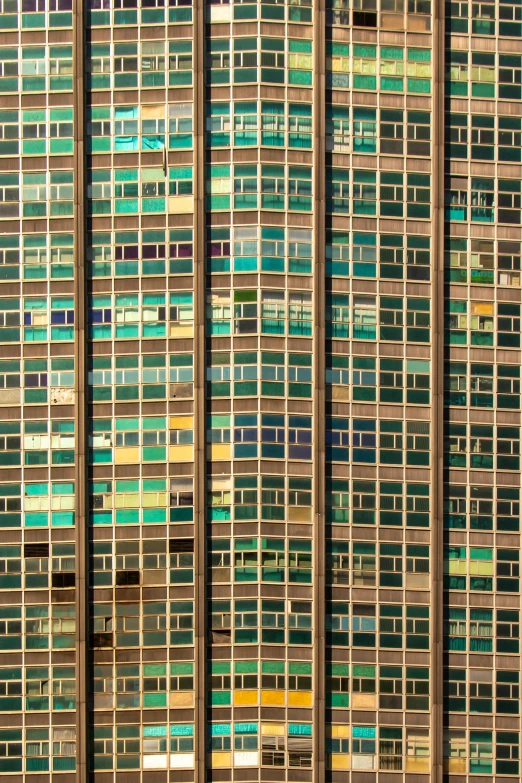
260 296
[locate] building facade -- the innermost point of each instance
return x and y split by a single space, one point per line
260 390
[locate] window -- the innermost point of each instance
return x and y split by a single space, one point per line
507 753
390 748
417 750
480 752
364 747
390 688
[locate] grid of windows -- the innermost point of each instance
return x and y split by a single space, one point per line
238 211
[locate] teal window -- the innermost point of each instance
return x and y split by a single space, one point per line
457 135
300 62
180 180
299 622
364 317
245 123
481 630
417 505
273 187
337 439
9 132
364 193
337 65
364 440
60 68
11 747
364 130
337 310
245 734
392 68
391 195
364 254
391 256
126 65
218 187
299 375
272 123
218 60
457 72
98 66
299 250
218 250
128 745
337 128
391 318
180 126
482 75
364 379
246 621
509 139
272 240
337 623
181 738
220 683
337 501
9 69
300 125
364 65
154 690
483 19
482 137
37 750
246 60
391 378
218 124
180 63
480 752
337 191
219 736
418 195
154 737
337 253
418 381
510 73
125 128
418 70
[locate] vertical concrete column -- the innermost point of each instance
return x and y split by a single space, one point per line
437 412
199 391
319 546
80 411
